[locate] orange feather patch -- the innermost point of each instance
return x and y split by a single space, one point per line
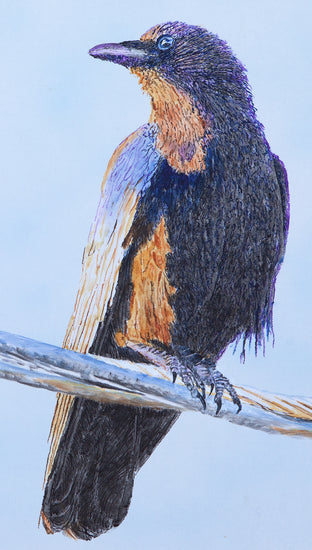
150 311
182 130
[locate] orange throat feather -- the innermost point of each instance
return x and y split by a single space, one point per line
181 128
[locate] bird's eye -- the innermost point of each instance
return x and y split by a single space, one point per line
165 42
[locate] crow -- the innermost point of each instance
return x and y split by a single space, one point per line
182 260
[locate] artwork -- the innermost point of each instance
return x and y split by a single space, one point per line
181 260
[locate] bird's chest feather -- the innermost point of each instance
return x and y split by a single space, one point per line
183 134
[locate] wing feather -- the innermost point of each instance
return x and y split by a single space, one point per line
129 172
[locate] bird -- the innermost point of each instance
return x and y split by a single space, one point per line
181 261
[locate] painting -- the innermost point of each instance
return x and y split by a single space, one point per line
182 260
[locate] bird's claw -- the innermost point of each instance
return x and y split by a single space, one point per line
218 401
202 400
190 379
221 383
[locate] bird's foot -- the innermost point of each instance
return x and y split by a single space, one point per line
208 374
196 377
189 378
196 373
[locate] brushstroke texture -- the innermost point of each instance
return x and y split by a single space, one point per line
182 259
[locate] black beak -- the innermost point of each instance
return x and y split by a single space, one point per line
129 54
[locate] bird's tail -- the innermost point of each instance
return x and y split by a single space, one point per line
94 461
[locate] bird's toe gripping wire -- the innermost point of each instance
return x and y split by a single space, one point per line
189 378
222 383
198 376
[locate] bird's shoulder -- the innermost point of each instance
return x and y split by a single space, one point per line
133 162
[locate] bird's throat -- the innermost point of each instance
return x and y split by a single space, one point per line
182 133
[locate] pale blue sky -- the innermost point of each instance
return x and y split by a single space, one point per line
209 484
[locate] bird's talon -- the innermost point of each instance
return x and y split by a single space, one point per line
202 400
219 405
174 377
203 392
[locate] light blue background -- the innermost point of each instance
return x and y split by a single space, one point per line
210 484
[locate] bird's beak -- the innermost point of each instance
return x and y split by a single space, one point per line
129 54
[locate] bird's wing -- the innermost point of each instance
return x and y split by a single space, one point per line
128 175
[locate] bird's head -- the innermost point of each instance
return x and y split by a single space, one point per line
189 57
191 75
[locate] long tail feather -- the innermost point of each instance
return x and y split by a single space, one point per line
89 486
